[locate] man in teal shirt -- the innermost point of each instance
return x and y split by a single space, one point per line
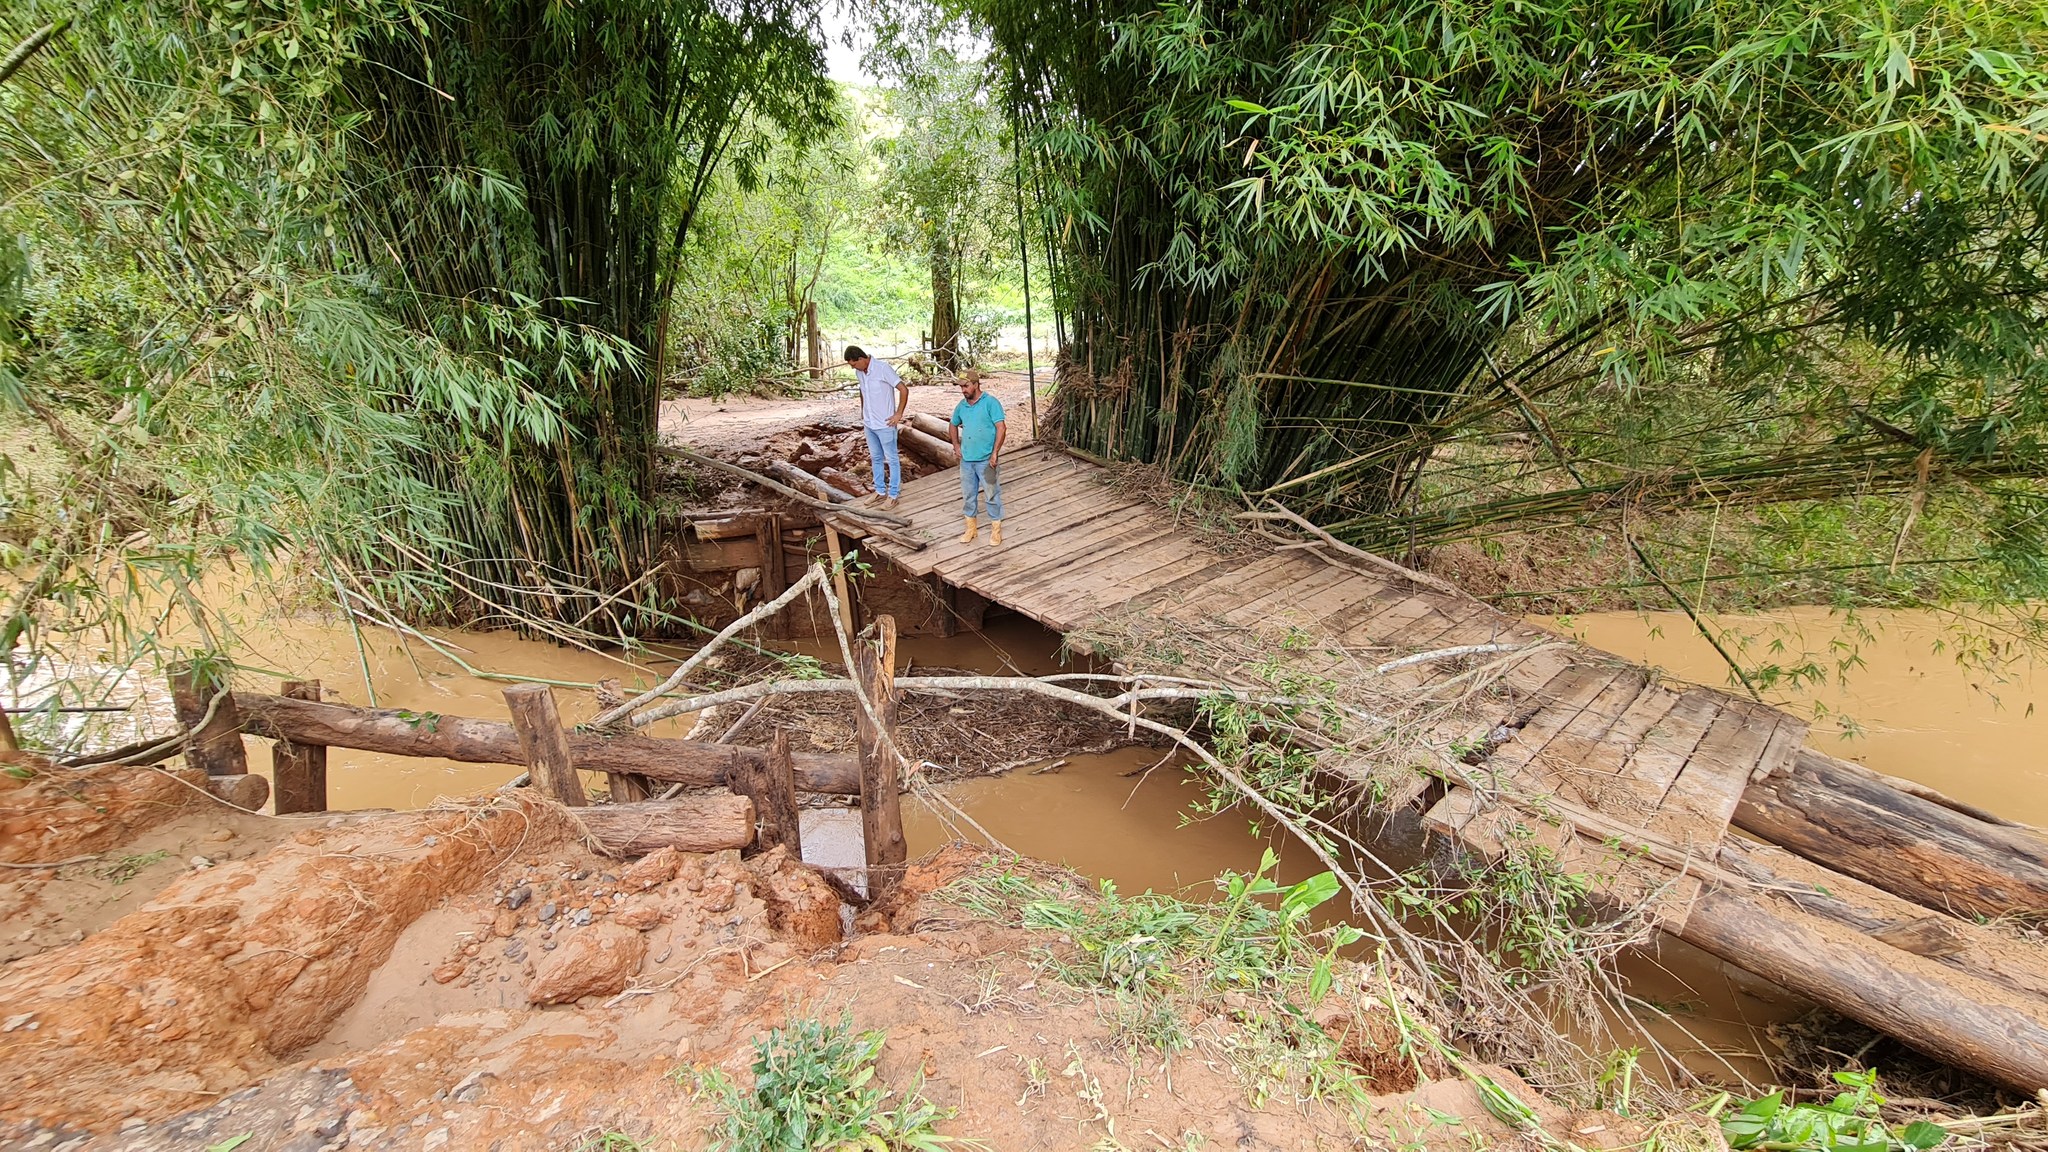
978 434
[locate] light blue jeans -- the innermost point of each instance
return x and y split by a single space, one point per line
978 479
882 449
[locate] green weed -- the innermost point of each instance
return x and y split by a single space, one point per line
1847 1123
815 1088
128 867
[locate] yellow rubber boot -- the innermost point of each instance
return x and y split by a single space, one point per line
995 532
973 526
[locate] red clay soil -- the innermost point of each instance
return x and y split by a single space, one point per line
473 977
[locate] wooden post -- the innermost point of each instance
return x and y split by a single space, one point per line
774 578
881 809
543 743
816 340
770 783
217 748
7 741
299 771
839 584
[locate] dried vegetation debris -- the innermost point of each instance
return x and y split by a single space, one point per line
953 735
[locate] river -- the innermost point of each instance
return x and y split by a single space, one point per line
1909 709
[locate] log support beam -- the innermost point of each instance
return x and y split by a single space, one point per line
542 743
881 769
299 770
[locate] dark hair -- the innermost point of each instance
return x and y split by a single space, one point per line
853 353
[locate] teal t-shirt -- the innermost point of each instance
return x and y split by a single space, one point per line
977 423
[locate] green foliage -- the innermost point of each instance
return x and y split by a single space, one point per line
946 189
815 1088
1407 216
129 867
1848 1123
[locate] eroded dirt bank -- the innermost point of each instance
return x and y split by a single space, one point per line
473 977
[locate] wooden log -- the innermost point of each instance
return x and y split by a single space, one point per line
692 763
844 481
1953 1016
543 744
881 770
796 477
1906 845
687 824
771 785
299 770
216 748
925 444
2000 957
938 428
244 790
727 527
839 587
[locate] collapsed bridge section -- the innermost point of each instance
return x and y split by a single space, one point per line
1627 780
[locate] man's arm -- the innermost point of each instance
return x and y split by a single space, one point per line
953 426
996 453
902 402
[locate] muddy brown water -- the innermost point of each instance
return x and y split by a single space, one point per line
1914 711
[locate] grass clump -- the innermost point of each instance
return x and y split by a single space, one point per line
1254 957
815 1088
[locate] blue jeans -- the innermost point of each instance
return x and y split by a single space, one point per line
882 449
978 479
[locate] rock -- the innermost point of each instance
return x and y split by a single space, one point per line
516 950
580 917
597 961
800 904
517 898
639 917
505 923
448 973
652 870
548 911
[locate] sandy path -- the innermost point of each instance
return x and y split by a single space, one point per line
746 420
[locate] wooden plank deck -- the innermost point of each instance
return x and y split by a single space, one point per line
1597 752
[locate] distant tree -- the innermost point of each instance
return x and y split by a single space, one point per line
946 182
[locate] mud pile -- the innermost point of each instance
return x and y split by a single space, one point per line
474 977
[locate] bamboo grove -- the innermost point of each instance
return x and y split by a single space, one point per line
1304 245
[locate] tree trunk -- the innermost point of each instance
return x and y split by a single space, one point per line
1848 820
945 315
688 824
1953 1016
692 763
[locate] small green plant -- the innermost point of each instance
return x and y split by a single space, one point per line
128 867
1848 1123
797 666
613 1141
815 1088
423 721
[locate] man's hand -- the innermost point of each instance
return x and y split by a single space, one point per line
895 421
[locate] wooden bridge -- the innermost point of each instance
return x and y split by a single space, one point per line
1632 782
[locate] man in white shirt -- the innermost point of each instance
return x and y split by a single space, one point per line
883 398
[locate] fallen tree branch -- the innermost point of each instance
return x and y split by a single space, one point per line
754 477
1380 562
1447 654
675 679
